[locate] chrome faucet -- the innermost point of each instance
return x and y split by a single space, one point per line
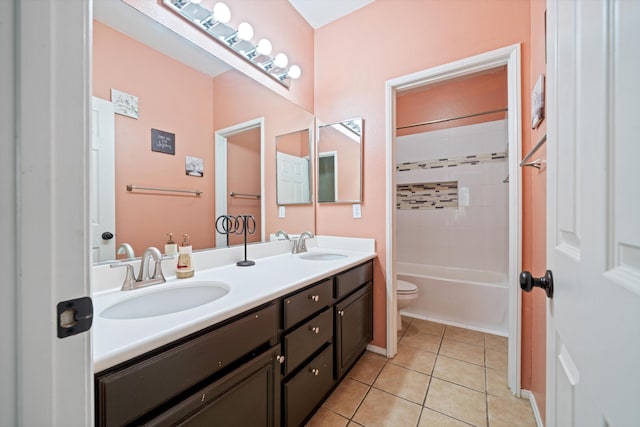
300 246
144 274
126 248
282 233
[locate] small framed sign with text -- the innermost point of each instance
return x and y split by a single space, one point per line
163 142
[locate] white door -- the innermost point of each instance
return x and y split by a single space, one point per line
103 199
593 204
293 178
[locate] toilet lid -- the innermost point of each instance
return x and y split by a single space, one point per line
406 287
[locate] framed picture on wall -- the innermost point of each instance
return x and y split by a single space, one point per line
537 103
194 166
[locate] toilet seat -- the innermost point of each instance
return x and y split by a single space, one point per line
406 288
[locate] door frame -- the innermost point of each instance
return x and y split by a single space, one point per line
221 137
334 156
507 56
48 77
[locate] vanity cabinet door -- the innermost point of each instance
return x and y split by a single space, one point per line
305 391
354 328
248 396
124 395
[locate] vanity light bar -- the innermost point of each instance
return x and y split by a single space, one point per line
214 23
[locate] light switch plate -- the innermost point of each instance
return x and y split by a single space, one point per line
357 210
281 212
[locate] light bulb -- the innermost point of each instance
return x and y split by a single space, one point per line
221 13
245 31
281 60
264 47
294 72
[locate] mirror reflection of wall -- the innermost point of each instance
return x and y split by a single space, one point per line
191 103
293 171
340 162
243 180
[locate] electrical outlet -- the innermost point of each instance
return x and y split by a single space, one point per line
281 212
357 210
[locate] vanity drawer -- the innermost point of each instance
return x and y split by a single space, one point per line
353 279
305 391
126 394
303 304
306 339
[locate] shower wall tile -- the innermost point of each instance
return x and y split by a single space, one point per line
495 238
473 236
422 196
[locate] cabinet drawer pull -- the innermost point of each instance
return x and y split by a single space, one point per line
314 371
315 298
315 329
341 313
280 359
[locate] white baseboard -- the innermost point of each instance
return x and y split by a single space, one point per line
534 406
378 350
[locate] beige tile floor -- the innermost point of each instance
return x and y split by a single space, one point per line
442 376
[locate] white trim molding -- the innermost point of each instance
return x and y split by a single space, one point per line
221 172
509 56
52 96
526 394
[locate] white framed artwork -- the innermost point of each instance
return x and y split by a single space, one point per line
537 102
194 166
124 103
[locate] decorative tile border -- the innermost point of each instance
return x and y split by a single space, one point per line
452 162
434 195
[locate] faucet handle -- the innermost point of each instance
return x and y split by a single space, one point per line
157 271
129 278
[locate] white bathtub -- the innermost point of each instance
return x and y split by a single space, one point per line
473 299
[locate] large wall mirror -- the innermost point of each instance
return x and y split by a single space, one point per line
339 162
183 90
293 167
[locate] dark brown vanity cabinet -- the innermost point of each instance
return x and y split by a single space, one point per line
248 396
354 328
271 366
307 343
149 386
315 357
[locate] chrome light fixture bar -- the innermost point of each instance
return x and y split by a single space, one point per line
239 41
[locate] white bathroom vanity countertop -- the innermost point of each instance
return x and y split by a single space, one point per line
272 276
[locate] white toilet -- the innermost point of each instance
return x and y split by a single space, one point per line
406 294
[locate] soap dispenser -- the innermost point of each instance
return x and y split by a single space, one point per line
184 269
171 247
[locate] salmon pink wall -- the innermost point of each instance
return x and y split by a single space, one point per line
357 54
243 176
295 143
276 20
239 99
534 232
143 219
454 98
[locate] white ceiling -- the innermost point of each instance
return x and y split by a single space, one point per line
321 12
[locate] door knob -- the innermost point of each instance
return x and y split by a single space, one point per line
528 282
107 235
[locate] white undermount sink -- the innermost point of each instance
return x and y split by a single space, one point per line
167 300
322 256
